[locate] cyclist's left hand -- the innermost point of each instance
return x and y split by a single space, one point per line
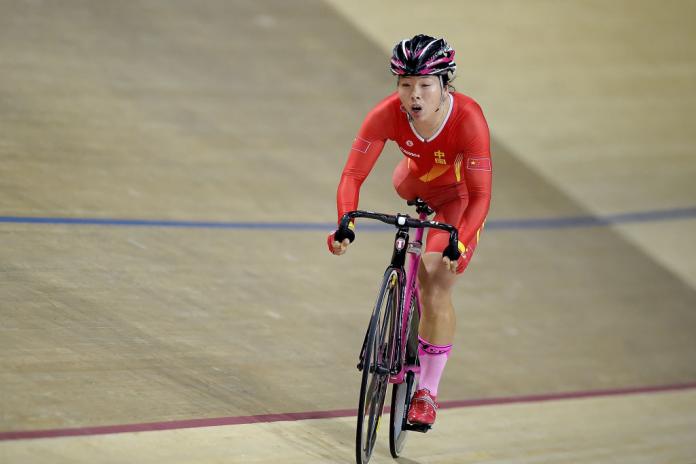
451 265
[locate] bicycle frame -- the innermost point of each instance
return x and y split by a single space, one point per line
411 294
407 279
383 357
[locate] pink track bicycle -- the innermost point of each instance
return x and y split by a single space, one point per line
389 352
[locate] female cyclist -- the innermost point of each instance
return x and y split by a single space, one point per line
444 138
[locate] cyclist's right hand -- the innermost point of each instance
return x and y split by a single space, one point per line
339 240
336 247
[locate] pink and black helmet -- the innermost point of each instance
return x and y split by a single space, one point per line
423 56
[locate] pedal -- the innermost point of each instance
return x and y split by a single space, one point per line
421 428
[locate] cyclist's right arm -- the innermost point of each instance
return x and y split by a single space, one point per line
362 158
366 148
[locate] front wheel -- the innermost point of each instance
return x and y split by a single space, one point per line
376 367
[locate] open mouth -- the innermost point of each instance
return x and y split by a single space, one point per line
416 109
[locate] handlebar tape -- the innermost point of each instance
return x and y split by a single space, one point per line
344 233
452 253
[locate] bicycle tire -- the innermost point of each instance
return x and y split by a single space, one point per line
376 367
402 393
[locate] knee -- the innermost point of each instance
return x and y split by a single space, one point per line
435 299
400 180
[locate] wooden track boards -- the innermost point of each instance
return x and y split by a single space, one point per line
243 112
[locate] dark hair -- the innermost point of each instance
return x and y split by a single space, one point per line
447 81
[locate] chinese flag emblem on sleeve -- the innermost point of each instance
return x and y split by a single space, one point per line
361 145
478 164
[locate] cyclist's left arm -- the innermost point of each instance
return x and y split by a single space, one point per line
478 173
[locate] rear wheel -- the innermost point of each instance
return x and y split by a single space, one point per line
402 393
400 400
376 367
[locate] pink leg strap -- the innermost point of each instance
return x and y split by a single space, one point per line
432 361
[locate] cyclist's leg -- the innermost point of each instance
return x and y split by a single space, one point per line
438 320
435 334
436 281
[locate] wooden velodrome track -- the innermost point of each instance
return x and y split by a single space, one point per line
167 179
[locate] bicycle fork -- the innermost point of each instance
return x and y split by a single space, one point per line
394 278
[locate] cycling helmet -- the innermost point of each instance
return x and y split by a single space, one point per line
423 56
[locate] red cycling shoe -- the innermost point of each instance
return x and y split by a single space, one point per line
423 408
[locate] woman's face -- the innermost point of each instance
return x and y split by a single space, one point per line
421 96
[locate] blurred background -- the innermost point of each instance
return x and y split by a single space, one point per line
167 179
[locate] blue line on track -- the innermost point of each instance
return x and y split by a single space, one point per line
496 224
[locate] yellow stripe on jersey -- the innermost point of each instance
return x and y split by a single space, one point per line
434 173
458 167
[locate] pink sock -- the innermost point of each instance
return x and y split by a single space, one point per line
432 362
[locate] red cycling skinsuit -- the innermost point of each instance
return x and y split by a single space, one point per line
451 171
